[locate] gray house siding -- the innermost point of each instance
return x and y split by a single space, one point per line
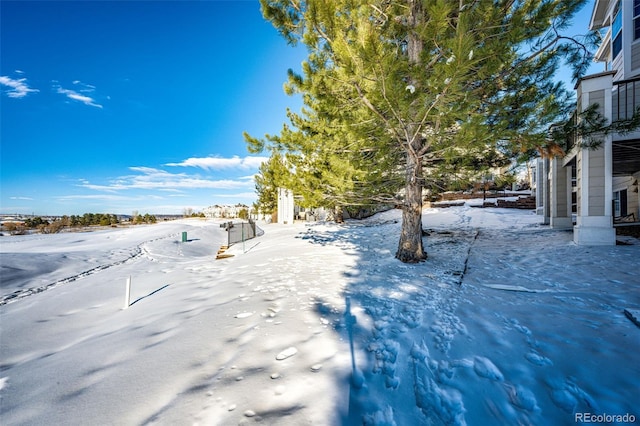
579 184
596 166
635 57
596 183
597 97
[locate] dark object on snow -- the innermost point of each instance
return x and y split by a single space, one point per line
633 315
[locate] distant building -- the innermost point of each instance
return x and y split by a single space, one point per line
286 206
289 211
225 211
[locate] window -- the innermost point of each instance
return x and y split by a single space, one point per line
636 19
620 203
616 31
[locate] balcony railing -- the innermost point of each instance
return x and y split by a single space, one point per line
625 98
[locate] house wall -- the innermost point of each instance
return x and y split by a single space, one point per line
626 97
560 195
596 183
618 66
594 223
627 62
285 206
579 184
631 46
635 57
597 97
543 206
562 209
591 165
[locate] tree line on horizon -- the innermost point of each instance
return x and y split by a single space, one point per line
74 221
402 97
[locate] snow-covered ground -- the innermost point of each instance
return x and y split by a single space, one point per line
507 322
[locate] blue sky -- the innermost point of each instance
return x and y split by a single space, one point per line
138 105
122 106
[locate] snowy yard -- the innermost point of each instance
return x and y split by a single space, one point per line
532 332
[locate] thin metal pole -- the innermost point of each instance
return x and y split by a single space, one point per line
127 297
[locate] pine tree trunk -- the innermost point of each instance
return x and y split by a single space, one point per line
410 248
338 214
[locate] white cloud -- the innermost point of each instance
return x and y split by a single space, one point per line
217 163
155 179
104 197
17 88
84 88
76 96
21 198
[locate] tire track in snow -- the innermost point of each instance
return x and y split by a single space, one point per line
466 260
26 292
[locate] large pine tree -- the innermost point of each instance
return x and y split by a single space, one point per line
408 88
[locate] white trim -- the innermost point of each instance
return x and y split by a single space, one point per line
570 155
622 182
608 155
604 51
608 176
601 6
593 235
569 194
583 185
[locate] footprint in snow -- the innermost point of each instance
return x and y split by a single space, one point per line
538 359
487 369
287 353
522 397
